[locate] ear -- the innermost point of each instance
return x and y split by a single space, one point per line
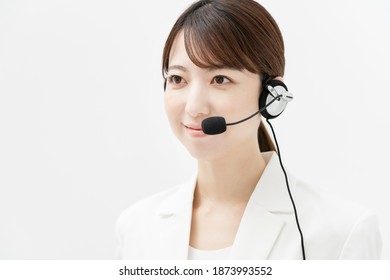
280 78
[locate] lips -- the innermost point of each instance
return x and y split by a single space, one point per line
194 130
193 127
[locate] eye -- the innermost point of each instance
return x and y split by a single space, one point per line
221 80
175 79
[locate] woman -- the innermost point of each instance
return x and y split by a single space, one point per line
218 60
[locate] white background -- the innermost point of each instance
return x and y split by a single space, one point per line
83 133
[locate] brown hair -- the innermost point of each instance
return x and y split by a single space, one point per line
237 34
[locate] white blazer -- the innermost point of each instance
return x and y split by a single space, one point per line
158 227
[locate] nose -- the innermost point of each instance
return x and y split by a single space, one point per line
197 103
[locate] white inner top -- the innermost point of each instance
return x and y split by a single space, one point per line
220 254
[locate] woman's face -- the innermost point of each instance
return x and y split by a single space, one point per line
193 94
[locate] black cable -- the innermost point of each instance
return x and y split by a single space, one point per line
289 191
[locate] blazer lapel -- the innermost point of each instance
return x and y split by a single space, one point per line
259 228
175 222
261 224
256 235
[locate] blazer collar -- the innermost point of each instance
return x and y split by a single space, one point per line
271 190
259 227
175 216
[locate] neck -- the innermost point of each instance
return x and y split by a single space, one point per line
231 179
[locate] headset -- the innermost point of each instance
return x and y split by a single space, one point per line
272 89
274 97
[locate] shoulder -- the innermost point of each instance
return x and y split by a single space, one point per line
138 225
150 206
323 202
156 206
336 225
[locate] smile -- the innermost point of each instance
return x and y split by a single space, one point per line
195 131
193 128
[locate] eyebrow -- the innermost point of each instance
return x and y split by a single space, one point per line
223 67
211 68
178 67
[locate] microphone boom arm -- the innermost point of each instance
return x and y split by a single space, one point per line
261 110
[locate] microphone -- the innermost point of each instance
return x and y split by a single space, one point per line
217 125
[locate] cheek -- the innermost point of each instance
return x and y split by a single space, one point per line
174 108
238 108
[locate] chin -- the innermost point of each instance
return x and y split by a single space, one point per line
201 156
206 153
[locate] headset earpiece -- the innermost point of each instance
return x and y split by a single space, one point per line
266 96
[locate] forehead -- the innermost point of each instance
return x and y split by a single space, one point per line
179 57
178 51
180 60
186 48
